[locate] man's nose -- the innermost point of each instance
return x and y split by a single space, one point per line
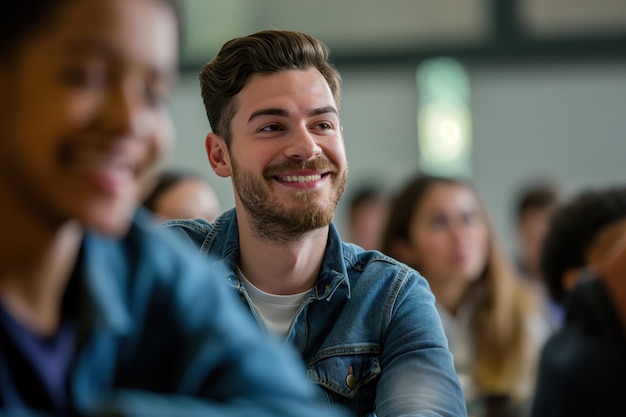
303 144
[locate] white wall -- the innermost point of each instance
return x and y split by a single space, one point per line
567 121
564 121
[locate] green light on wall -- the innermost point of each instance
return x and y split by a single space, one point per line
443 119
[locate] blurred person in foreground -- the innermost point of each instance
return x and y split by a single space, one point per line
366 326
101 314
182 195
440 227
583 366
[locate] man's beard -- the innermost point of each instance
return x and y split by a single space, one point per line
274 222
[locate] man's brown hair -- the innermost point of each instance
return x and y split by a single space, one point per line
264 52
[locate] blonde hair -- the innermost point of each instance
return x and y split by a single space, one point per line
506 351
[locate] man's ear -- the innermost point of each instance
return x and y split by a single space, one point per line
218 155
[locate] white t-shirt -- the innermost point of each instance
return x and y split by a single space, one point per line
275 311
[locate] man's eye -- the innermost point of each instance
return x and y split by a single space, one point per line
270 128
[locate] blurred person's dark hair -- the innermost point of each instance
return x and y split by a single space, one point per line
166 180
403 206
572 231
536 195
364 194
534 204
182 194
367 212
20 19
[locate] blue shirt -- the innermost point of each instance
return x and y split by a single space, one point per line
369 333
38 366
161 335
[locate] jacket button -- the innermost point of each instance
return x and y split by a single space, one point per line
351 379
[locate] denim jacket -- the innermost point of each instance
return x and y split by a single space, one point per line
369 333
159 340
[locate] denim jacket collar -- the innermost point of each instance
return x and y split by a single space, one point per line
333 274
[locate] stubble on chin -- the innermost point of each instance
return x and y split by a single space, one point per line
274 222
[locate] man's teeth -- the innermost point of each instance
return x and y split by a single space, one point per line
301 178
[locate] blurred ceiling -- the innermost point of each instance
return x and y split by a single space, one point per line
365 31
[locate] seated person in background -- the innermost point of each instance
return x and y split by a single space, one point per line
366 326
583 366
101 314
182 195
611 273
534 206
367 215
440 227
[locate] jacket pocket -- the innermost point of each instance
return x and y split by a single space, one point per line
345 373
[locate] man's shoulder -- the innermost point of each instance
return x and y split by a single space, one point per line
378 271
200 232
188 226
361 259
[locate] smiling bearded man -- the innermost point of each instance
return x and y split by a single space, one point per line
365 325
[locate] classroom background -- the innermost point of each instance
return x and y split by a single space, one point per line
499 91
